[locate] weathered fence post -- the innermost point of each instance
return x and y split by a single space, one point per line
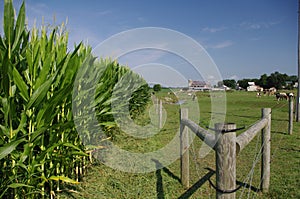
184 152
160 114
266 151
225 160
156 107
291 111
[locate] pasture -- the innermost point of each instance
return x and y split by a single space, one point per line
244 109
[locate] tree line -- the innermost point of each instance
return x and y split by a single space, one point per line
276 79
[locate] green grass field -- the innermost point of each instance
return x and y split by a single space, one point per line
244 109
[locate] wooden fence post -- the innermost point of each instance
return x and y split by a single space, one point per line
291 111
184 152
225 160
160 114
266 151
157 105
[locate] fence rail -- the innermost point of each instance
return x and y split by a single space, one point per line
226 146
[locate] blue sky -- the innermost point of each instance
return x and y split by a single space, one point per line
245 39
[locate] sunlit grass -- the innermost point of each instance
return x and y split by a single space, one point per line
243 108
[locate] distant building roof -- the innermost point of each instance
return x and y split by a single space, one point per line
199 85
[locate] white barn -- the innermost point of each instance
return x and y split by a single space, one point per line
253 87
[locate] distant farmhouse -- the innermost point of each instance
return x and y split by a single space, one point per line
199 85
253 87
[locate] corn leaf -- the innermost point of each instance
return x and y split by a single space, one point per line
9 147
2 44
9 22
20 84
80 153
47 112
64 179
4 130
20 25
18 185
40 93
71 146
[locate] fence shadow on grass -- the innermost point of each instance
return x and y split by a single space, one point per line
278 132
205 178
159 180
197 185
160 194
159 185
245 185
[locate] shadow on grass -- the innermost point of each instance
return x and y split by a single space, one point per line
277 132
245 185
159 181
160 189
205 178
290 149
197 185
159 184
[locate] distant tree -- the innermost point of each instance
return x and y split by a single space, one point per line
243 83
255 80
263 81
157 87
277 80
293 78
231 83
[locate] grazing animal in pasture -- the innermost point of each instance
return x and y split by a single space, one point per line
258 94
281 96
291 95
270 91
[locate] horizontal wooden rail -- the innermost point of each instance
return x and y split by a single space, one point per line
203 134
243 139
227 146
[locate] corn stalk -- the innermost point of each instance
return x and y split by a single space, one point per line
37 132
39 145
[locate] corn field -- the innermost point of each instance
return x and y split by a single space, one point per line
40 149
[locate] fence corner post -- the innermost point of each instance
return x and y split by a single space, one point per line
225 159
184 152
266 152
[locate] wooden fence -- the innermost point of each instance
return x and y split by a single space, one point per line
226 145
291 112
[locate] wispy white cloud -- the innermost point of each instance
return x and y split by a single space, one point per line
213 30
85 35
235 77
39 14
258 25
220 45
141 19
104 12
255 38
37 9
141 57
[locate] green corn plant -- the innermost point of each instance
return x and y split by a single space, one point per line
37 135
101 86
39 145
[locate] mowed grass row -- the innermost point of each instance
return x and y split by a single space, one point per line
244 109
